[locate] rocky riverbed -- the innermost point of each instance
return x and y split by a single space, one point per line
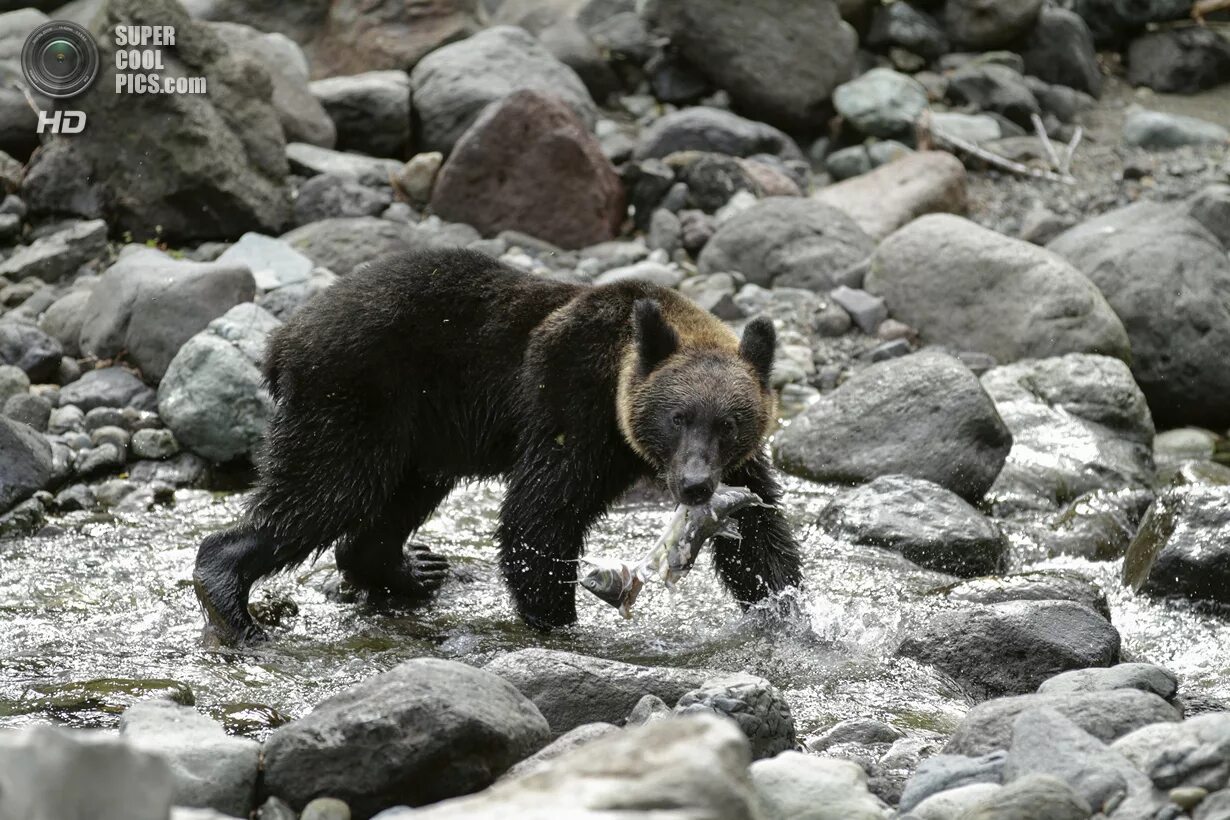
1004 409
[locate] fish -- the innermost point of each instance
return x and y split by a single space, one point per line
618 583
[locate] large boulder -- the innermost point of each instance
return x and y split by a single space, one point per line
1079 423
900 191
528 164
1113 21
795 786
785 73
974 289
1180 60
571 690
371 111
424 731
926 523
25 463
24 345
148 304
213 396
1011 648
700 128
59 254
923 415
983 25
343 243
214 165
1183 545
1060 50
787 242
906 26
1135 255
453 84
695 767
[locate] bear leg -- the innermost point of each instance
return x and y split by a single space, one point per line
228 563
765 559
374 558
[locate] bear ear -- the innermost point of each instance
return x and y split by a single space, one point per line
757 347
655 339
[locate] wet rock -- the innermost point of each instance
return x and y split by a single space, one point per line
1098 526
983 25
329 196
994 88
273 263
1213 807
371 111
311 160
528 164
161 188
648 709
793 786
1079 424
954 802
424 731
1143 676
1105 715
881 103
1045 742
100 460
59 254
992 277
787 242
862 731
213 396
700 128
572 739
1039 585
25 463
1011 648
29 409
923 415
182 470
1183 546
571 690
155 444
697 766
147 305
453 84
1133 255
1032 796
1156 130
344 243
1179 61
302 117
758 707
1059 49
896 193
211 769
944 772
924 522
1191 754
49 772
63 319
106 387
785 74
24 346
13 381
906 26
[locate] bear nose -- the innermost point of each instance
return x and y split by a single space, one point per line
695 490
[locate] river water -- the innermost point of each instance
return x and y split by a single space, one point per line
102 613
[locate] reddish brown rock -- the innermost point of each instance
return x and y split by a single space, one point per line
373 35
529 164
883 200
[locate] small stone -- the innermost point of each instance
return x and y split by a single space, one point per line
866 310
326 808
117 436
1158 130
65 419
757 706
1188 797
648 708
106 458
30 409
890 350
417 178
155 444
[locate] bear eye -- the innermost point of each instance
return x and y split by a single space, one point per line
679 418
730 426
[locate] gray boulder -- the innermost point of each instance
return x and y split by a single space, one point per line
25 463
995 88
757 706
48 772
1180 60
1029 797
311 160
924 522
212 770
424 731
572 739
1194 753
213 396
63 319
906 26
1143 676
974 289
454 83
1036 585
214 168
983 25
787 242
273 263
59 254
1011 648
1135 255
13 382
695 766
24 345
1059 49
1105 715
881 103
794 786
1159 130
344 243
785 74
571 690
1079 424
148 304
107 387
330 196
924 416
371 111
944 772
1183 545
700 128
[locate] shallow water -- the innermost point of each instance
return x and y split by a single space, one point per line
103 613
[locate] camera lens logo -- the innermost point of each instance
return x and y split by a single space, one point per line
60 59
